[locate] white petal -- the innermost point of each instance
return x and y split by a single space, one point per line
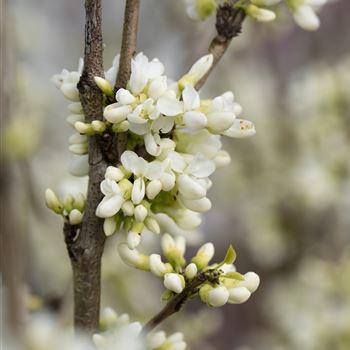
151 146
154 170
124 97
238 295
199 205
169 106
195 120
133 239
116 113
306 18
153 188
241 128
189 188
79 165
191 98
133 163
201 67
109 206
138 191
109 226
201 167
220 121
218 296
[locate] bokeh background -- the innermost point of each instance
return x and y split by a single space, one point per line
284 202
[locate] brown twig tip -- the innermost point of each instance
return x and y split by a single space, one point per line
229 21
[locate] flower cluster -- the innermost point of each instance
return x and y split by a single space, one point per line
119 333
304 11
71 208
216 284
180 137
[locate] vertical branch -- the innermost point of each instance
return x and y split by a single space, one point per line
86 251
129 39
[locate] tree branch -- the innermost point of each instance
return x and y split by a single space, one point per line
117 143
85 250
229 21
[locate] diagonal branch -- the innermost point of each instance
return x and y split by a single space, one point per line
229 20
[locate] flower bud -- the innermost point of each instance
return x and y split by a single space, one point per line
133 257
104 85
73 118
79 165
76 108
128 208
191 271
240 128
84 128
306 17
265 2
204 254
126 186
201 67
68 202
109 318
109 226
157 267
79 148
121 127
98 126
156 340
153 188
133 239
114 173
174 282
140 213
75 217
195 121
116 113
125 97
157 87
220 121
218 296
198 205
138 191
70 91
222 159
77 139
238 295
251 281
79 202
52 202
260 14
190 188
188 220
152 225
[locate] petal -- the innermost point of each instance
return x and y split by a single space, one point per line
195 120
151 146
241 128
133 163
116 113
154 69
191 98
189 188
139 129
154 170
198 205
201 167
109 206
220 121
124 97
138 191
177 162
169 106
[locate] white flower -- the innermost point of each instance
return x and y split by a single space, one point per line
142 70
191 271
201 67
174 282
306 17
156 340
133 257
157 267
240 129
113 200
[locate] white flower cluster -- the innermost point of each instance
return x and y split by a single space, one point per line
217 284
304 11
120 333
180 134
71 208
67 82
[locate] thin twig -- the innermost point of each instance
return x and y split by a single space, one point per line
228 25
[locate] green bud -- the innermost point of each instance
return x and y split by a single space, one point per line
68 202
79 202
126 187
52 202
104 85
98 126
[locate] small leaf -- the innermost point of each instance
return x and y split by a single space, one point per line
234 275
167 294
230 256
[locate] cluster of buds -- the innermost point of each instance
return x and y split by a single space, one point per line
216 284
119 333
304 11
180 135
71 208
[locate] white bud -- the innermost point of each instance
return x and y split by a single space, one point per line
220 121
77 138
125 97
195 121
70 91
128 208
110 317
188 220
109 226
157 267
73 118
168 181
306 17
251 281
152 225
238 295
79 165
260 14
75 217
156 340
222 158
79 148
198 205
191 271
174 282
114 173
98 126
204 254
121 127
133 257
76 108
138 191
140 213
201 67
240 128
218 296
104 85
153 188
52 202
99 340
133 239
83 128
116 113
189 187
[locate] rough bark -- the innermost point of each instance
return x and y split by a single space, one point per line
85 245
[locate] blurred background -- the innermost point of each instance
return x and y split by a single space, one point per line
283 202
